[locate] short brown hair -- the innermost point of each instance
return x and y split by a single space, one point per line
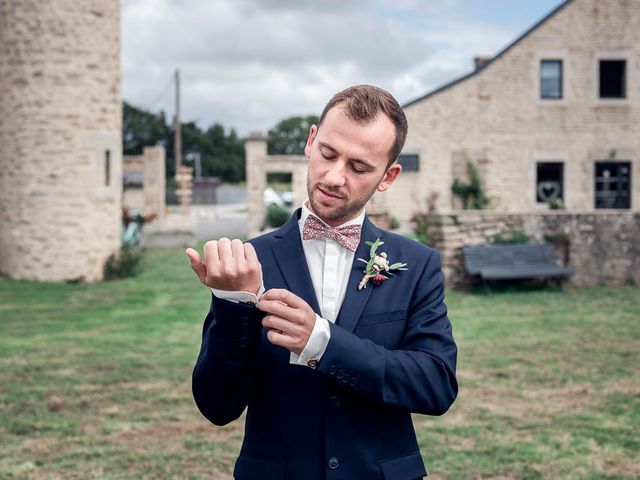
363 103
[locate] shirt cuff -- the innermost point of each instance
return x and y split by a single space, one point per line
316 345
238 296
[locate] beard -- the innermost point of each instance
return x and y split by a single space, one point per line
337 213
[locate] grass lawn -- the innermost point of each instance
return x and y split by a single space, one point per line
95 383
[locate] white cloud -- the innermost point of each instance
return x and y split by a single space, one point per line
249 63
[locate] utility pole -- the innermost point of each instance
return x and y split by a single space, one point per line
178 132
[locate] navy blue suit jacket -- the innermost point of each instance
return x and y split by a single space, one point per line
391 353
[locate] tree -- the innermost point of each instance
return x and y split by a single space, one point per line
289 136
141 128
221 153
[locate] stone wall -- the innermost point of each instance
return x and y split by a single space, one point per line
601 247
258 164
151 196
60 138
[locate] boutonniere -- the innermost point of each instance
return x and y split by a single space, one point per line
378 266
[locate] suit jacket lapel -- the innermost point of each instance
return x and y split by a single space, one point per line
354 299
292 263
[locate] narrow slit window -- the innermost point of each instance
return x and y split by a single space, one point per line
107 167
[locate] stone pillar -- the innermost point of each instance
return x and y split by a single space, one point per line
60 138
184 192
154 175
255 148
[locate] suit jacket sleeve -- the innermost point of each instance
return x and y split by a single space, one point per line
221 379
420 375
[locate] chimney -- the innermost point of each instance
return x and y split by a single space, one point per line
481 61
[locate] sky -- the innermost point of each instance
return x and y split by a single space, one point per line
247 64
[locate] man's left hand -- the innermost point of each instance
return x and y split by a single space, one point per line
291 319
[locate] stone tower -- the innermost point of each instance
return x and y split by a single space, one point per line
60 138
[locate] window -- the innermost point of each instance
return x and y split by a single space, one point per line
107 167
613 185
551 79
409 162
613 79
549 182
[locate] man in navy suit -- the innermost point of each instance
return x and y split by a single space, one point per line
329 372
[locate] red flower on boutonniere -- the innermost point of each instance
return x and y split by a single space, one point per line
377 266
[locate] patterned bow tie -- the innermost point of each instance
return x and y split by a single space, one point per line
347 236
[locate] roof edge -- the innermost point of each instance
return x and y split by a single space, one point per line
502 52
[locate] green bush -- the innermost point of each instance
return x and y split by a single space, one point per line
276 215
556 204
125 263
517 236
472 194
421 229
394 223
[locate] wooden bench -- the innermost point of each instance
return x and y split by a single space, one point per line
517 261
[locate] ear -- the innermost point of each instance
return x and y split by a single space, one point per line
389 177
313 131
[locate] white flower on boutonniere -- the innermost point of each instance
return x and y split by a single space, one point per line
378 266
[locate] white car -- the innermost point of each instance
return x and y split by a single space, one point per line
270 196
282 199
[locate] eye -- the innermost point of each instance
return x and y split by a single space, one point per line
327 156
358 170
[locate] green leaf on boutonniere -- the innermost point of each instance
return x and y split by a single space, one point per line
398 266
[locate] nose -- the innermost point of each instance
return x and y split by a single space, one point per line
334 176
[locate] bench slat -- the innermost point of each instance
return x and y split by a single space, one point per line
513 261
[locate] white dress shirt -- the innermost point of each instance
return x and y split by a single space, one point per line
329 265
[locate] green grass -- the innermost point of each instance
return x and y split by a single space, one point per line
95 382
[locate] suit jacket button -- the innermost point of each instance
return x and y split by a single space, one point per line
333 463
340 374
334 400
353 381
332 370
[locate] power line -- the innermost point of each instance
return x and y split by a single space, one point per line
163 92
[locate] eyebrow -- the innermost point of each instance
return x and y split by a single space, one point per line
357 160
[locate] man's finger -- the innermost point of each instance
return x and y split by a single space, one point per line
284 296
196 264
238 251
273 322
224 250
276 307
250 253
280 339
211 253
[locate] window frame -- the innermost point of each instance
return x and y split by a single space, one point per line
630 82
417 162
559 61
562 164
625 86
629 182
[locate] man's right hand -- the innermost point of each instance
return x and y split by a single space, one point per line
228 265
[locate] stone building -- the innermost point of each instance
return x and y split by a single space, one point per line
60 138
554 115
